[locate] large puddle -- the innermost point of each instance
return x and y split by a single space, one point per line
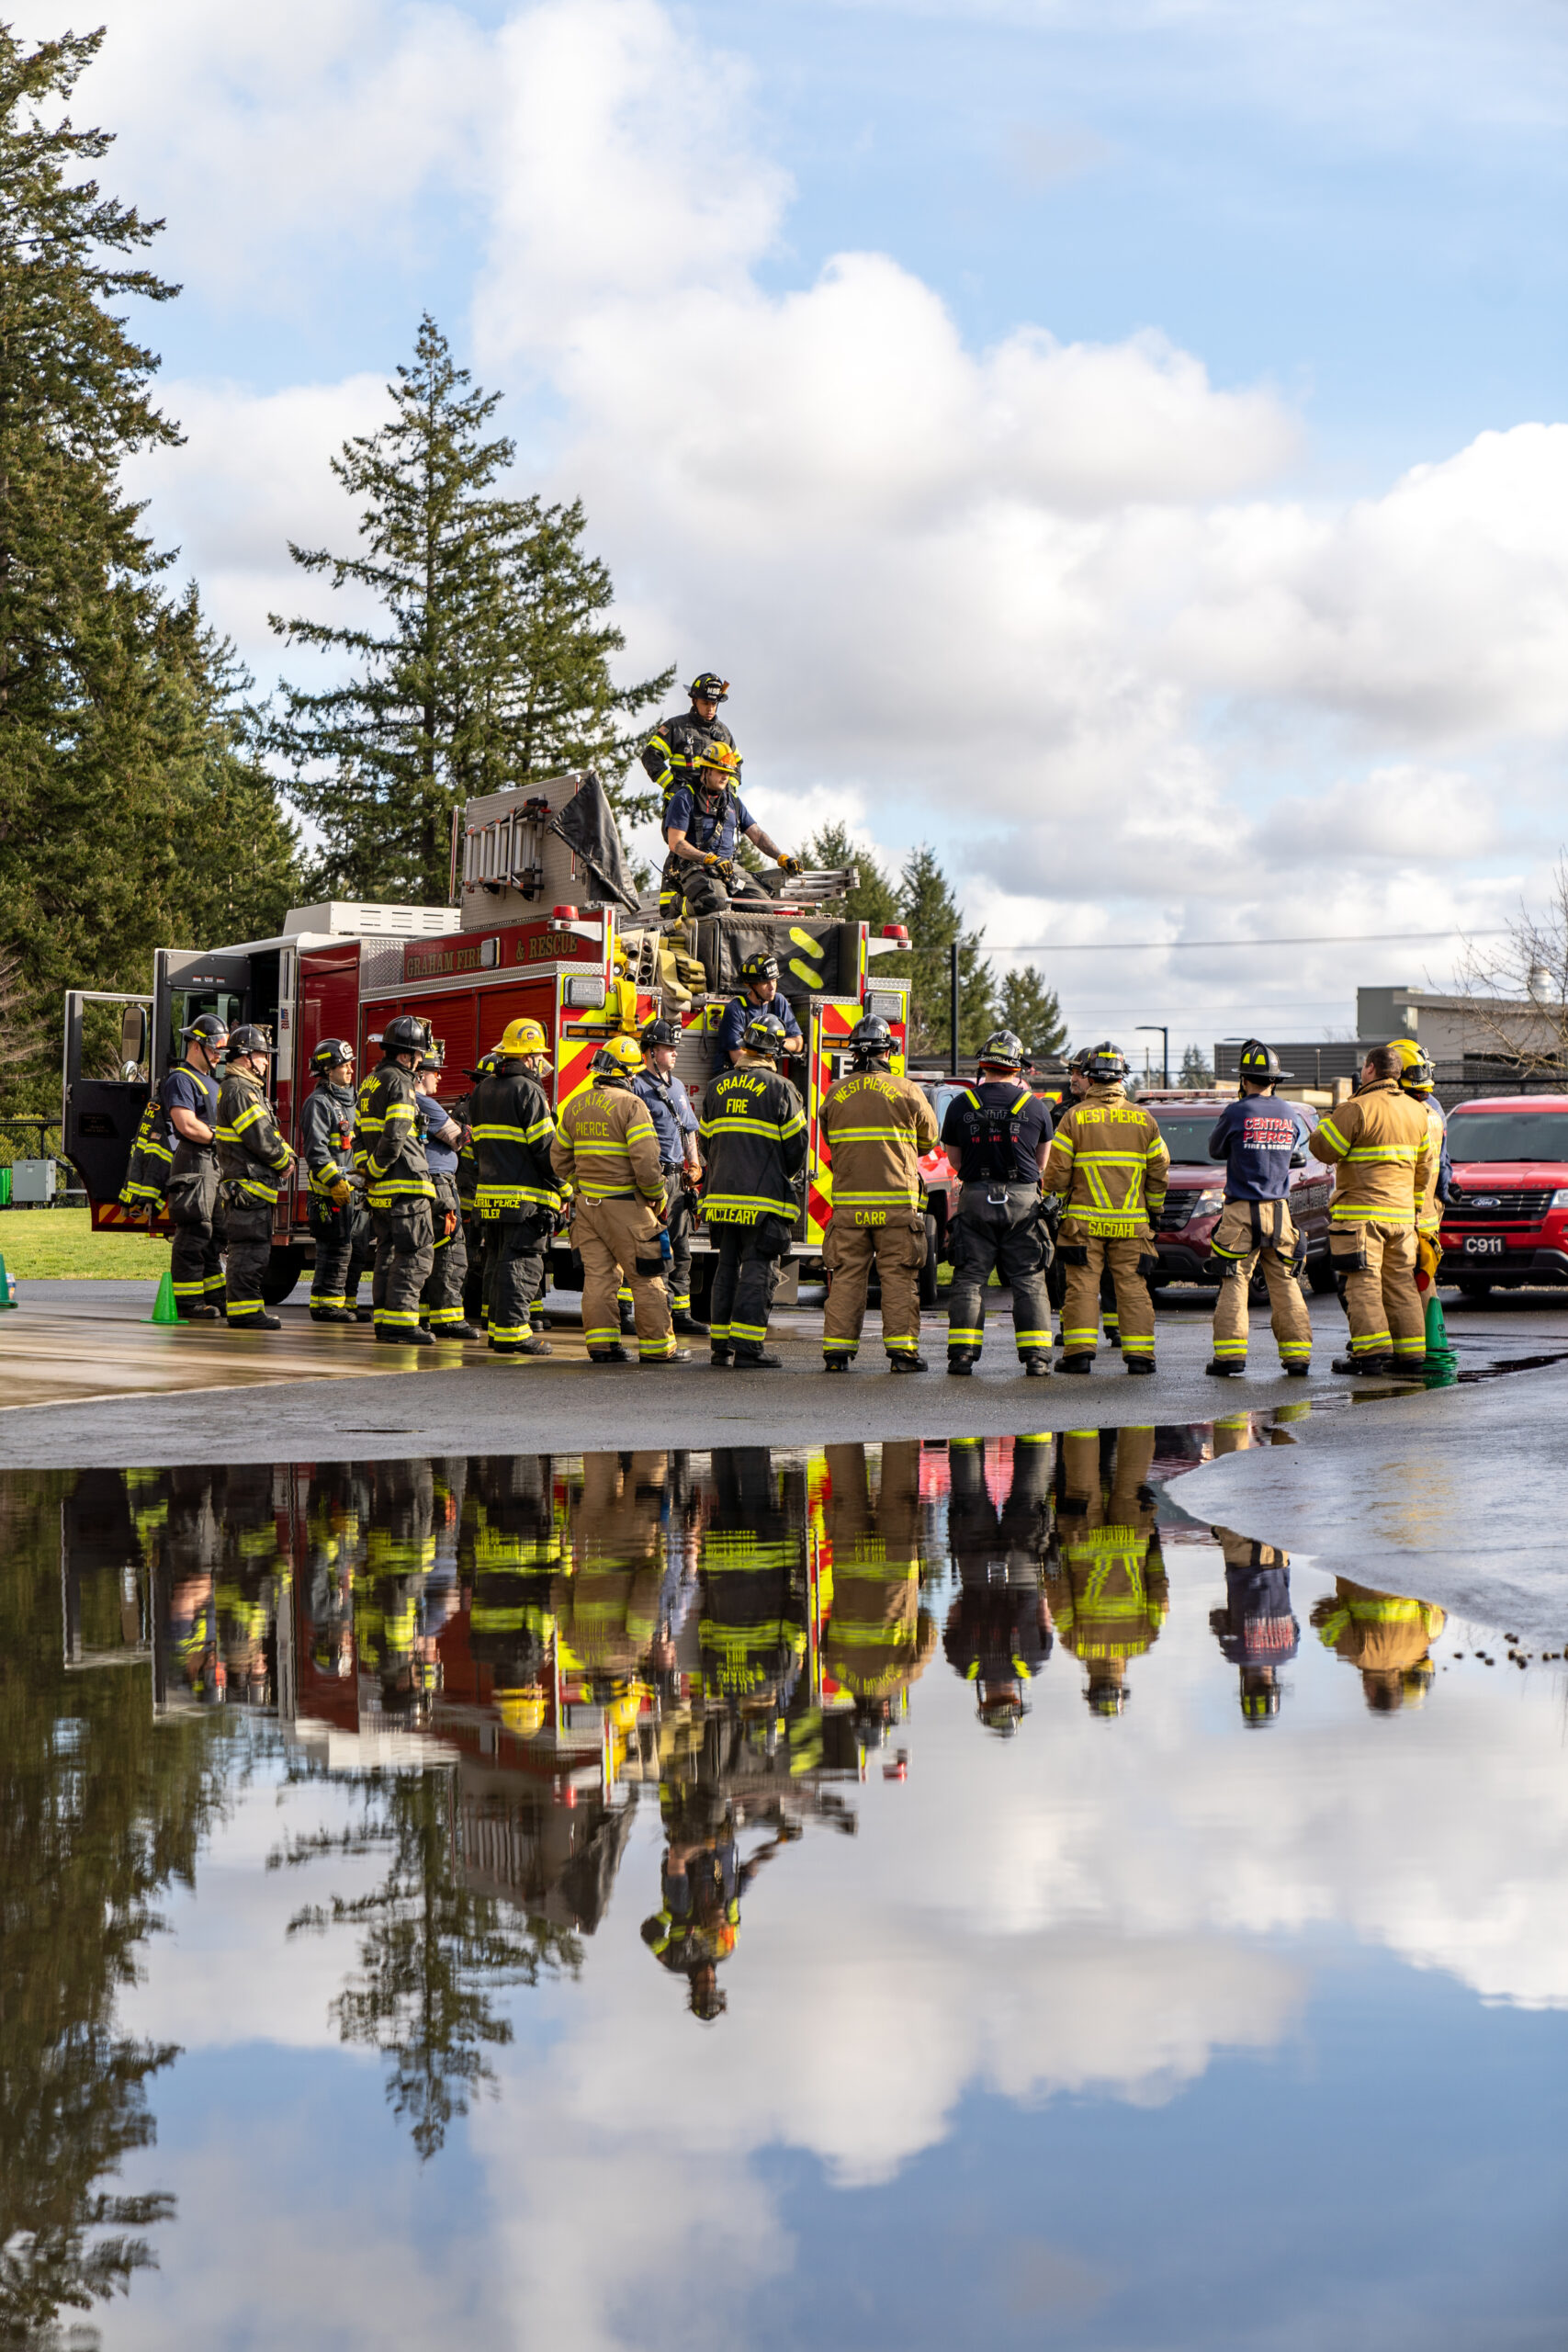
921 1895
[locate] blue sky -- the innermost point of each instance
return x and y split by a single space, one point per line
1162 508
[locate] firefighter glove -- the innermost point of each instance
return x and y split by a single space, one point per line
339 1193
788 864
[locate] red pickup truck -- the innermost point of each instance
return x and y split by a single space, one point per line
1506 1219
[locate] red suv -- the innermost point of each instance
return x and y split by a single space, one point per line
1197 1193
1506 1220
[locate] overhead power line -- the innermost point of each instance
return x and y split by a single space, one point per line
1142 947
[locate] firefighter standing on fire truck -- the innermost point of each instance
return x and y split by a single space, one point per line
670 752
389 1156
607 1151
345 1242
876 1128
512 1132
252 1157
1108 1161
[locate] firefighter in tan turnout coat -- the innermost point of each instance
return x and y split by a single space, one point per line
1108 1159
604 1149
876 1128
1380 1148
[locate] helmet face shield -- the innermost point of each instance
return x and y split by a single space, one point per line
764 1033
617 1057
708 686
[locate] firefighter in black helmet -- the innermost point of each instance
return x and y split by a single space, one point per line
189 1094
253 1161
760 993
670 754
753 1140
996 1133
389 1155
339 1220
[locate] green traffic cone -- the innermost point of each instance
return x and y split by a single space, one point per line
6 1297
1442 1364
163 1308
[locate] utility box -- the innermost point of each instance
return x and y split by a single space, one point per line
32 1183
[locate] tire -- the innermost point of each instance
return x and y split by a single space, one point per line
1321 1277
1472 1285
927 1272
705 1265
284 1269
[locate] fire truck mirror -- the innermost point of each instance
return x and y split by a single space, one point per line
133 1037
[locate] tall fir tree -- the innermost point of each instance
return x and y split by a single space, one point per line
1030 1010
873 898
930 912
491 665
125 758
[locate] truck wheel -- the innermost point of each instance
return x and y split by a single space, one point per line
1321 1277
705 1265
1472 1285
283 1270
927 1272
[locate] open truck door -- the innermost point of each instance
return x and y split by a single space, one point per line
99 1116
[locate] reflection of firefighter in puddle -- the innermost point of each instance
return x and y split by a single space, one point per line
1256 1629
335 1515
249 1581
878 1639
391 1639
998 1629
607 1607
754 1604
702 1879
1107 1588
1386 1636
190 1543
511 1556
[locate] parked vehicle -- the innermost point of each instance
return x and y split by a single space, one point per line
1196 1194
1506 1219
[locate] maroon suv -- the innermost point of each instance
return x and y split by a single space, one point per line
1506 1219
1197 1193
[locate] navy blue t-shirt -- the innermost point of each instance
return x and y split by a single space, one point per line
184 1088
1257 1139
705 831
993 1130
738 1012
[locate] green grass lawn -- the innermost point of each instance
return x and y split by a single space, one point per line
60 1242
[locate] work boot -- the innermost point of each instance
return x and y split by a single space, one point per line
1137 1363
521 1348
331 1315
608 1355
1036 1366
453 1331
1226 1368
905 1363
757 1360
1378 1367
836 1363
1408 1367
960 1367
1113 1337
628 1320
201 1314
1296 1370
719 1356
255 1323
364 1314
414 1338
1081 1361
676 1355
683 1320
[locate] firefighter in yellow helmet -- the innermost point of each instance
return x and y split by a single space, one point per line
515 1188
1387 1636
1109 1161
702 823
1418 1076
1380 1146
875 1126
606 1150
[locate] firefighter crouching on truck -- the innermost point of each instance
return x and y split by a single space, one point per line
339 1223
1417 1078
607 1151
389 1155
753 1138
512 1130
1108 1161
441 1301
701 823
189 1097
252 1157
876 1128
995 1133
675 1124
1380 1146
1260 1139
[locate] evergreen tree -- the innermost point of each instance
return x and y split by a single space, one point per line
1031 1011
492 665
124 761
872 899
930 912
1195 1070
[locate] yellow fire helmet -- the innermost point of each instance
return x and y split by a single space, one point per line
521 1037
723 756
522 1712
1418 1075
618 1056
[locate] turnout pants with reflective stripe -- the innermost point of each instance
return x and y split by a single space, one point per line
1010 1238
195 1260
678 1222
442 1297
345 1247
619 1239
249 1249
513 1270
1246 1233
1376 1264
898 1248
1081 1312
405 1252
744 1279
